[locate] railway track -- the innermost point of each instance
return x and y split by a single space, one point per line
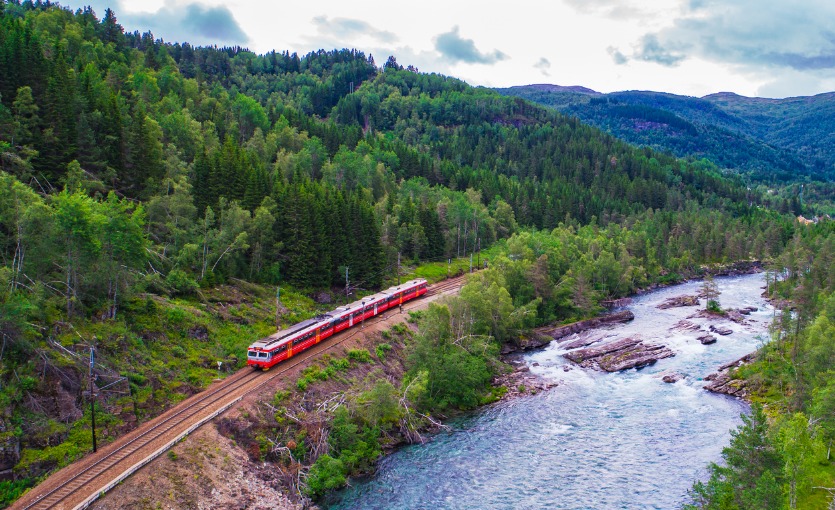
81 483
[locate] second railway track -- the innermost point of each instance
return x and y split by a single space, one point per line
81 483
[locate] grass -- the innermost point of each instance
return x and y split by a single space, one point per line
436 271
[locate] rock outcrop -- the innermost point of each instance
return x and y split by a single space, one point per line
543 336
619 355
557 332
679 301
9 455
722 382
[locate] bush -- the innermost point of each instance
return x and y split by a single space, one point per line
181 282
10 490
381 350
325 474
175 316
360 355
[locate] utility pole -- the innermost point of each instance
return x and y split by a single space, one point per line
398 268
448 264
93 394
471 262
346 281
458 245
478 263
277 307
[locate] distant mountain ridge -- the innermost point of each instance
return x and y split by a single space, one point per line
767 139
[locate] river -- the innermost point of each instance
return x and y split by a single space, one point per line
602 441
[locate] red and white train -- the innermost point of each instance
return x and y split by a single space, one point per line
288 342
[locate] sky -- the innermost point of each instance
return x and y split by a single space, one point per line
764 48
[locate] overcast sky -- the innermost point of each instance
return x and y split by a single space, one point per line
767 48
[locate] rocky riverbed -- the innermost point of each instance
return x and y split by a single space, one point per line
597 439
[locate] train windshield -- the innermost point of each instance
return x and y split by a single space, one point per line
253 354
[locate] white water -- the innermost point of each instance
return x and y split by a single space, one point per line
624 440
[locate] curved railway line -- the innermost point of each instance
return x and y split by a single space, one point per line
81 483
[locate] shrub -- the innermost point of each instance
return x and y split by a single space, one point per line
10 490
381 350
175 316
325 474
181 282
340 364
360 355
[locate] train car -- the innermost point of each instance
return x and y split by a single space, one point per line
286 343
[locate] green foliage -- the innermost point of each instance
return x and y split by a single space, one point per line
327 368
10 490
753 472
360 355
458 369
325 474
381 349
356 445
714 306
380 407
181 282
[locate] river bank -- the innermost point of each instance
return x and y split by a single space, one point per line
599 439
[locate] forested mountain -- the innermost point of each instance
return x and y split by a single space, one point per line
772 140
221 146
137 176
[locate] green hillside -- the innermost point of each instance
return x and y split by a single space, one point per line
770 140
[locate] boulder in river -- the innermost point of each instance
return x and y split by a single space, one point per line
721 330
707 339
671 377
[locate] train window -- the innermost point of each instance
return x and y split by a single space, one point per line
281 349
262 354
253 354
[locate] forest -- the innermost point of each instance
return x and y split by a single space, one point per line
143 184
770 142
